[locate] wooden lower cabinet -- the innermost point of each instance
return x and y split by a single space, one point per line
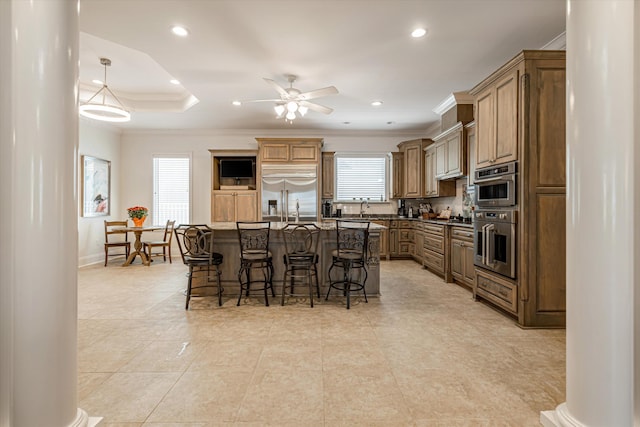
497 289
232 206
434 256
384 239
462 254
418 238
393 242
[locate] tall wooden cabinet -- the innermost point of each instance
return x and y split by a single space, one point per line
327 174
232 200
413 170
520 114
497 119
398 174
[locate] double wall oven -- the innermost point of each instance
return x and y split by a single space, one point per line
496 218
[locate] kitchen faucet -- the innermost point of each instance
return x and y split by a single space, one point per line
363 201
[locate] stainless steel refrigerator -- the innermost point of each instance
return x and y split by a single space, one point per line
289 193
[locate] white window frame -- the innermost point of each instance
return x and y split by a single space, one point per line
189 156
387 176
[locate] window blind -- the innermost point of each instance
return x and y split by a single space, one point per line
171 189
361 176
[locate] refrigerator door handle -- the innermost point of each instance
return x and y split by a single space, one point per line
286 192
281 204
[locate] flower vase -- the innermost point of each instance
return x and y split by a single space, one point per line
138 221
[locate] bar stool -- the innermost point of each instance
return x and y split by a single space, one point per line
255 255
350 255
300 258
195 242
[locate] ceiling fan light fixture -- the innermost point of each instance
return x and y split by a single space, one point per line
292 106
291 116
103 111
303 110
279 110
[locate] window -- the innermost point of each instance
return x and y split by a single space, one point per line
361 175
171 189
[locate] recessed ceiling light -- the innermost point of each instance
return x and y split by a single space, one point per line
174 82
98 82
179 31
418 32
237 103
376 103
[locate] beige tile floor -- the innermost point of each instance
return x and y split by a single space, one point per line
423 354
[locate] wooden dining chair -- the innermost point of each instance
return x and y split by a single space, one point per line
165 243
114 239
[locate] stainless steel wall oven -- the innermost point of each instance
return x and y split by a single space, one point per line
495 241
496 186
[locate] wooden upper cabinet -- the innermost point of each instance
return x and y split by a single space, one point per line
274 152
413 173
327 175
450 153
470 129
285 150
434 187
497 121
398 177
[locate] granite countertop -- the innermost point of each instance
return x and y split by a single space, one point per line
324 225
397 217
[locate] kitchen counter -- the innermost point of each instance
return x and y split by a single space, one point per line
397 217
226 243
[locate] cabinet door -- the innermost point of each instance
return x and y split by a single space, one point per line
413 171
469 268
485 128
441 159
246 206
274 152
223 206
397 175
506 113
457 259
327 175
393 241
419 245
471 149
304 153
455 164
430 172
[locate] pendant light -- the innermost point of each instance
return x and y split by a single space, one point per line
103 111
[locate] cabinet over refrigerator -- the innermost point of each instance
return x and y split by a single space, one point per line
289 193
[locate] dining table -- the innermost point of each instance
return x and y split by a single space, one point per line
137 245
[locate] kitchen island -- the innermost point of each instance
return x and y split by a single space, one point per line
226 242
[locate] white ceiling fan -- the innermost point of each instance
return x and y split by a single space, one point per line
292 100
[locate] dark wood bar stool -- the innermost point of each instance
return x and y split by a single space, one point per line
195 242
351 257
255 255
300 258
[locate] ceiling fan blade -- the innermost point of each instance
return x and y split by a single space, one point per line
277 87
261 100
316 107
331 90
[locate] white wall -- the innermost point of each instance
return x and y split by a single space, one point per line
138 149
101 141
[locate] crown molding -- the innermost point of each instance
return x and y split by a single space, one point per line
558 43
454 99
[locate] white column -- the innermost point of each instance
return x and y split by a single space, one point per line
38 213
601 175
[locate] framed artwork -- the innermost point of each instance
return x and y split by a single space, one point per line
96 187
